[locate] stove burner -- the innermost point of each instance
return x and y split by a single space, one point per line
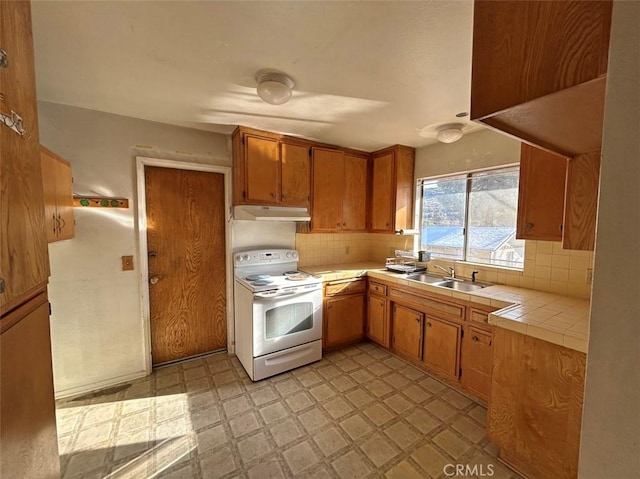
297 277
257 277
289 273
261 282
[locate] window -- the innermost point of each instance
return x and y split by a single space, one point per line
472 217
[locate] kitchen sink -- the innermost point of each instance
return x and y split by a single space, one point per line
426 278
460 285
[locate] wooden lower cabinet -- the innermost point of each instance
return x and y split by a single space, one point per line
344 316
476 361
535 411
378 320
407 331
442 345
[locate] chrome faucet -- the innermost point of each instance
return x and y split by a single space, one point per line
451 272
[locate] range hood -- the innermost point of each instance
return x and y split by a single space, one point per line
270 213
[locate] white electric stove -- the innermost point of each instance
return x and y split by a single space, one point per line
278 312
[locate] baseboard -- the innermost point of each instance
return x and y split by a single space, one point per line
96 386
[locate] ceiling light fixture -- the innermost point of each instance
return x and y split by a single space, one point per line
449 133
274 88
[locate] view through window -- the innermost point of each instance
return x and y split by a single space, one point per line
472 217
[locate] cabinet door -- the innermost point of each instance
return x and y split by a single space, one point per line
540 194
328 189
27 413
354 207
344 320
377 321
296 174
263 170
442 345
24 261
476 362
64 200
49 172
407 331
581 202
382 193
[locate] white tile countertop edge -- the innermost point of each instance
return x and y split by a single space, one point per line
558 319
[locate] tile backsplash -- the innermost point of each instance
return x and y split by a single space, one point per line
547 266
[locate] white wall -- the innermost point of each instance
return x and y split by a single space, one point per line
96 323
476 151
610 445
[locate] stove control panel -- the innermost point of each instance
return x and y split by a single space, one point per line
257 257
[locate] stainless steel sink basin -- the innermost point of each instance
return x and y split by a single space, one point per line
425 278
461 285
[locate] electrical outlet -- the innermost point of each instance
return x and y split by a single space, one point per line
589 276
127 263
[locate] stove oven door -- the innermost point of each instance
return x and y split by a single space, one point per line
287 321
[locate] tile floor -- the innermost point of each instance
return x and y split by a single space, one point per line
360 412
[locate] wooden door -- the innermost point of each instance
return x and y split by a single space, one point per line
296 174
64 199
263 170
186 245
581 203
354 207
407 331
344 320
540 194
328 189
382 198
377 324
24 260
476 361
442 345
27 413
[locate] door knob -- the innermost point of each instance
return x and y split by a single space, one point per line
154 279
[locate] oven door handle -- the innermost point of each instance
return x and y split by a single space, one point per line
263 296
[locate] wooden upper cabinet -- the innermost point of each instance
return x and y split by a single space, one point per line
24 261
296 174
392 189
339 191
263 170
328 189
581 202
539 71
268 169
354 206
558 198
57 185
540 194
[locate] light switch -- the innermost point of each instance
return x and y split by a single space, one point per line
127 263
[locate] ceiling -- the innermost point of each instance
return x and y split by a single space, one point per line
367 74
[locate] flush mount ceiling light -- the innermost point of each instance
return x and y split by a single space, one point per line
449 133
274 88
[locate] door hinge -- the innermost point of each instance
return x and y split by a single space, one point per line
309 152
242 139
244 195
2 285
50 310
462 333
460 373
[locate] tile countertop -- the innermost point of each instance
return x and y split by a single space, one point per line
558 319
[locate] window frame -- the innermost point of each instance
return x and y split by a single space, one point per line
467 176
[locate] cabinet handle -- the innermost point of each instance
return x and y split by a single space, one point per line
486 320
55 222
338 224
344 224
560 227
64 223
273 195
4 59
475 338
529 226
428 324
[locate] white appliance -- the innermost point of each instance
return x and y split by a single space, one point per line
278 313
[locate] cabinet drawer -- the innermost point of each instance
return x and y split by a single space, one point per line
431 306
478 316
348 286
377 288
